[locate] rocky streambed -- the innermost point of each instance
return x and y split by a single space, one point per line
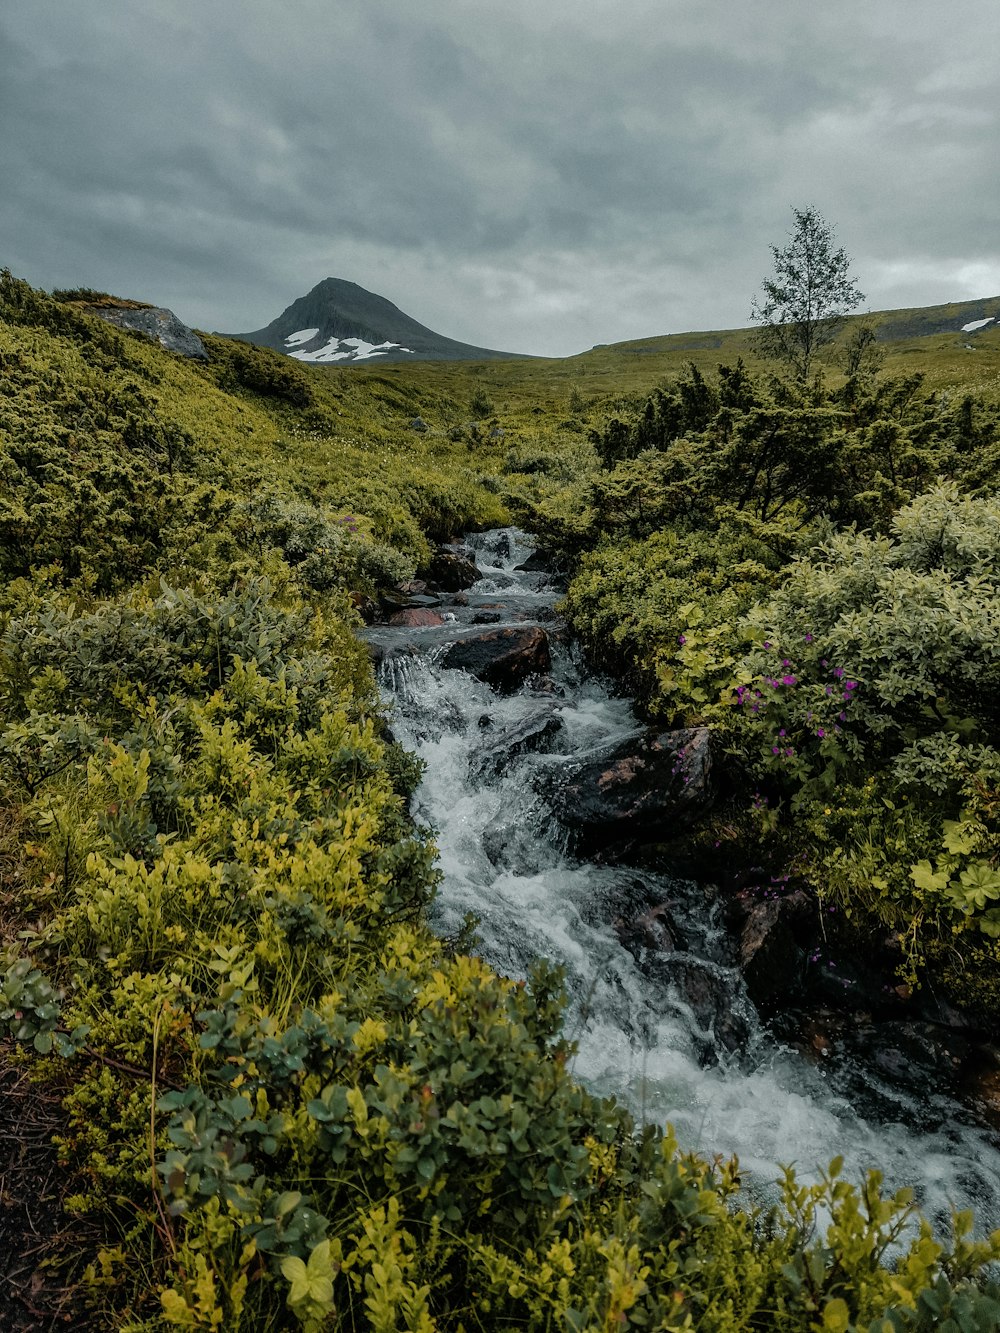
732 1007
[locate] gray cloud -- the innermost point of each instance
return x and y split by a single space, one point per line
539 177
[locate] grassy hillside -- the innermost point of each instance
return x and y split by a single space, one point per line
244 1086
950 358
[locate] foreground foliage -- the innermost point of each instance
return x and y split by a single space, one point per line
287 1104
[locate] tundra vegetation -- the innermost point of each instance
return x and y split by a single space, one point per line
283 1102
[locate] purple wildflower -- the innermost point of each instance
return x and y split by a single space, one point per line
788 680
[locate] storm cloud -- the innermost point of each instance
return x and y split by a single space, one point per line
532 176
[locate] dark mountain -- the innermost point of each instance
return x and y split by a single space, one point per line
340 323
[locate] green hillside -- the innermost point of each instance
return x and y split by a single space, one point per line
254 1090
946 356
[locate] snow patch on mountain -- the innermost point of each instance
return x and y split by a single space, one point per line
978 324
357 348
303 336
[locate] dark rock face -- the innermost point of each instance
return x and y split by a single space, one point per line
157 323
645 790
502 658
416 617
499 546
452 571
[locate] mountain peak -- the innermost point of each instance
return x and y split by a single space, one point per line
340 322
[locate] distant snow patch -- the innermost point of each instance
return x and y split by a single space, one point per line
303 336
328 352
978 324
357 349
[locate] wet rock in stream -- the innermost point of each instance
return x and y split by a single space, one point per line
709 994
453 570
539 562
770 953
502 658
416 616
643 790
502 744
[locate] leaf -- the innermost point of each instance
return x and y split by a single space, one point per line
960 836
927 879
837 1316
296 1273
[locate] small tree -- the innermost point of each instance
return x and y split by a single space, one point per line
804 303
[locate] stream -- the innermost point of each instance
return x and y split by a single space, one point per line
725 1079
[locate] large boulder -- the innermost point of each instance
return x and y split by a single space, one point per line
645 790
155 322
708 995
502 658
653 929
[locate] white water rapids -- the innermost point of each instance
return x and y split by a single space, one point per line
726 1084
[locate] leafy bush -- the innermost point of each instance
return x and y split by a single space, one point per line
260 370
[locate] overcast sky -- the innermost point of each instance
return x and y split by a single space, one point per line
533 175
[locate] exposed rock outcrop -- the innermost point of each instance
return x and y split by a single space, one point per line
771 957
155 322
